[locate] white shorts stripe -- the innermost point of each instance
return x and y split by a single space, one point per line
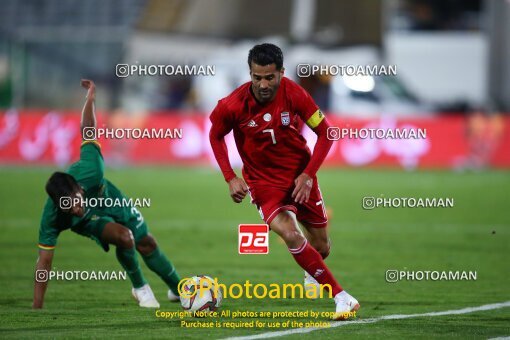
277 210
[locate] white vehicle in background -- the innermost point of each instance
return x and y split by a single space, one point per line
356 95
373 96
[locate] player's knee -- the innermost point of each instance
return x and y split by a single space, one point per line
324 251
293 238
285 226
125 238
147 245
322 247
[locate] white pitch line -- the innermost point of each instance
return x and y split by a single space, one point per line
372 320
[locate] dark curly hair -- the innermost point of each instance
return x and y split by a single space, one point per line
266 54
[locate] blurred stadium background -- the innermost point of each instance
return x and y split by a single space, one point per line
452 58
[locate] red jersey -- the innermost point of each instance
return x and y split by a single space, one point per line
267 136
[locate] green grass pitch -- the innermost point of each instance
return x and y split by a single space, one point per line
195 223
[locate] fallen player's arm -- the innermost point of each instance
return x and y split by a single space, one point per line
88 116
41 280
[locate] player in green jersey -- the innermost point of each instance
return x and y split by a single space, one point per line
121 225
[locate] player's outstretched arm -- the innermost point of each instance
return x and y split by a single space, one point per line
88 116
41 280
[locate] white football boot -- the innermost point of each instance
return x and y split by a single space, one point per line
312 287
145 297
346 306
172 297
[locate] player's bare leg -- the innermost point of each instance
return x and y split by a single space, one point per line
319 239
285 225
159 264
122 238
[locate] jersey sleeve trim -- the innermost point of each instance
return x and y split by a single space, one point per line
315 119
46 247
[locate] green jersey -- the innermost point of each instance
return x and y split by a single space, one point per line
89 173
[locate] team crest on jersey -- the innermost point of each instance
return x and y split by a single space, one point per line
252 123
267 117
285 118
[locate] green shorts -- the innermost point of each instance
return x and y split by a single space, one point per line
130 218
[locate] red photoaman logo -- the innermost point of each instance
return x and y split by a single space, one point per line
253 239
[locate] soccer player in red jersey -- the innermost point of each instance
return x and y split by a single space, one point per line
278 168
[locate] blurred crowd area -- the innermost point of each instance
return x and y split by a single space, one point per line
450 54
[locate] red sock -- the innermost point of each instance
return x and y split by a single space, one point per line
310 260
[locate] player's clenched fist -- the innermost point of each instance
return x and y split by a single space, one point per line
90 86
238 189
